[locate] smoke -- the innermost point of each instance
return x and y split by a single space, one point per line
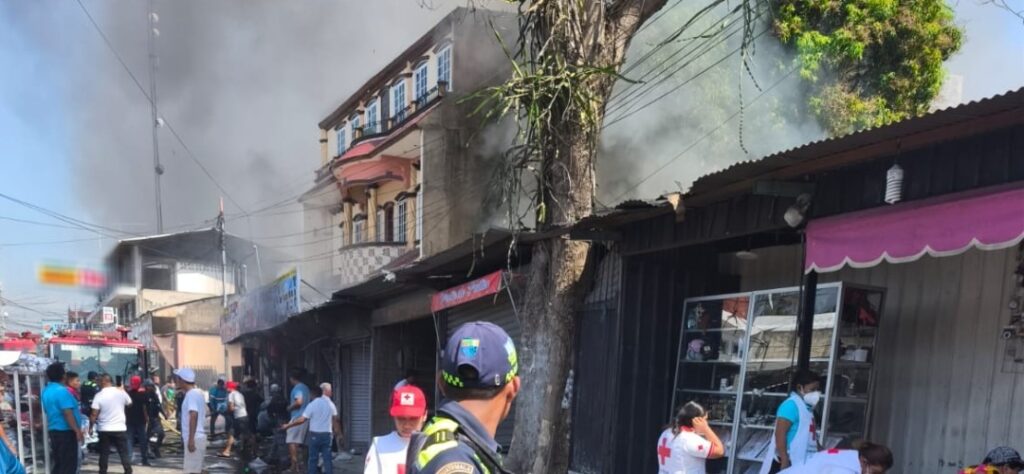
242 82
683 119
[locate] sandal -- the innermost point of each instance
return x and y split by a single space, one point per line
223 455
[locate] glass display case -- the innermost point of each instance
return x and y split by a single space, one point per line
738 352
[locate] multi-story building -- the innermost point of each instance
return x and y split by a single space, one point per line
403 159
168 289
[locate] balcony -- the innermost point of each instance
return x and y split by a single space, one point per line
402 117
358 262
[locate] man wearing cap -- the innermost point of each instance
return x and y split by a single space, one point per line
387 453
192 413
479 379
1001 460
322 416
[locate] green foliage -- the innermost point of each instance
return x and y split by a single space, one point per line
868 62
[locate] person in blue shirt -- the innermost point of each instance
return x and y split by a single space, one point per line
63 420
295 436
479 378
219 406
795 437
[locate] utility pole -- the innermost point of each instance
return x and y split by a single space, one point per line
223 275
3 312
155 119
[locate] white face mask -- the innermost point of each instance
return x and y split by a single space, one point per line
812 398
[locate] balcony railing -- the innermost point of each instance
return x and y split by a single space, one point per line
401 117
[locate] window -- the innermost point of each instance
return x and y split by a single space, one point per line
400 221
372 118
420 82
341 140
398 101
381 224
444 67
358 231
353 126
419 215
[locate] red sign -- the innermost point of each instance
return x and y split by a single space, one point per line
466 292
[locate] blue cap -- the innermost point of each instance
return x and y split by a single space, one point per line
479 355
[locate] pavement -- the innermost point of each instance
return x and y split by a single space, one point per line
171 461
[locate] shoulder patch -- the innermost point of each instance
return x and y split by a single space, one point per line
456 468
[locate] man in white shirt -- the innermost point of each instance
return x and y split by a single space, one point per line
387 453
322 416
109 420
193 412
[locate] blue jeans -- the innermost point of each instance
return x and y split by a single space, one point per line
320 446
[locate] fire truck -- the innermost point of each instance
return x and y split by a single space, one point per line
22 342
84 350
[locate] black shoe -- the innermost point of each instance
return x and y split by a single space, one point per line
147 464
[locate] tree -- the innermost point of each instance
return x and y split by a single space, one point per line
565 65
868 62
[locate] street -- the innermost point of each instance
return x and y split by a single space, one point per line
171 461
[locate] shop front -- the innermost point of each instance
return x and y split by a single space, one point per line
905 294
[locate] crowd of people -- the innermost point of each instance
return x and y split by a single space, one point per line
794 448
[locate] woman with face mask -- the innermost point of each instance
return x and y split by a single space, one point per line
865 458
795 438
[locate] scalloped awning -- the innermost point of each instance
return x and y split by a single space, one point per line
906 232
385 168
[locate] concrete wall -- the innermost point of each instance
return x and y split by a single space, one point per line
205 354
943 395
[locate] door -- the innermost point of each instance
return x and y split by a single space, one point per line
355 368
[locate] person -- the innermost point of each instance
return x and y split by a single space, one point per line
218 406
795 437
688 442
88 391
74 385
409 411
108 418
296 435
479 378
155 380
866 458
322 416
409 379
137 418
154 410
240 428
1001 460
192 414
63 419
253 401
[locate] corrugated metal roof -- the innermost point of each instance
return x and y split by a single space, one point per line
960 114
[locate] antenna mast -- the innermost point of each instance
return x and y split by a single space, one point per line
157 122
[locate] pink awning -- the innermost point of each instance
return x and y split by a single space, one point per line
903 233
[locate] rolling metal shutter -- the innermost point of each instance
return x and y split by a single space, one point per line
356 373
502 314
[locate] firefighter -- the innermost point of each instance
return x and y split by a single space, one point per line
479 379
89 390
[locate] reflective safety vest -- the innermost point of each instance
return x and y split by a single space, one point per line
442 435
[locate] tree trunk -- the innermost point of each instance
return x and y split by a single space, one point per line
597 34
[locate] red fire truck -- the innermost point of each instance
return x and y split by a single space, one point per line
24 342
109 352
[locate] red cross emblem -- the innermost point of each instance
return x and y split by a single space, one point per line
663 451
700 447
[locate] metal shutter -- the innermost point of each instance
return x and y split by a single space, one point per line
502 314
356 373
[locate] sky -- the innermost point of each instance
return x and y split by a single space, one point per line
243 83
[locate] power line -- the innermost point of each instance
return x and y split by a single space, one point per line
51 242
70 220
705 136
149 99
45 224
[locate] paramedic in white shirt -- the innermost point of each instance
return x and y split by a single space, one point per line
684 447
867 458
387 453
322 416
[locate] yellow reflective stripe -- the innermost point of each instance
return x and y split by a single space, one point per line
429 453
440 424
483 467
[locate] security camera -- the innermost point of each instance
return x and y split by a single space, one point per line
1008 333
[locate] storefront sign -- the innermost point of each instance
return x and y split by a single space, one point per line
263 308
108 315
466 292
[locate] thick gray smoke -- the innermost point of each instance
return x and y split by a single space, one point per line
243 83
683 119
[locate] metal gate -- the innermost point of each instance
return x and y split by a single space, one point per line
355 369
499 312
